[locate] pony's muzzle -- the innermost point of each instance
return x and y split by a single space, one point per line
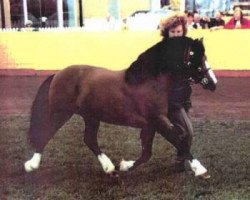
209 86
211 80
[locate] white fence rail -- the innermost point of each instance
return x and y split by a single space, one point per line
98 24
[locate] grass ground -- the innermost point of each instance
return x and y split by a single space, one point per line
70 171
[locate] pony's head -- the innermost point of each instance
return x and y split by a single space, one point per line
180 55
196 62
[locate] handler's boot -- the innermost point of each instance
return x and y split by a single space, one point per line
180 163
177 136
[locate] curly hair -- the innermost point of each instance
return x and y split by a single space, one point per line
172 22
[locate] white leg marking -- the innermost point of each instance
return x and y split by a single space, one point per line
197 167
33 163
125 165
106 163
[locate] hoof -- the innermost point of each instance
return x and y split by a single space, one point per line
28 167
204 176
33 163
126 165
114 174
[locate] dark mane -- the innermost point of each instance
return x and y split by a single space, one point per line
160 58
198 46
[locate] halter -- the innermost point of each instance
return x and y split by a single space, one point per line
204 80
188 64
187 55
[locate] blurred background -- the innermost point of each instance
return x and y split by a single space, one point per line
75 13
52 34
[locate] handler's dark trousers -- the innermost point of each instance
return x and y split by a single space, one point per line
179 104
179 117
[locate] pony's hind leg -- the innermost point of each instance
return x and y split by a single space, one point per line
90 139
41 131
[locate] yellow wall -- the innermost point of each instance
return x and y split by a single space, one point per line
99 8
226 49
95 8
130 6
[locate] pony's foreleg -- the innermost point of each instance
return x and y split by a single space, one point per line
198 169
90 139
147 137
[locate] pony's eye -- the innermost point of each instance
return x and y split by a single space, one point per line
191 53
199 69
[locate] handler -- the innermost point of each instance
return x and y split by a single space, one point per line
180 93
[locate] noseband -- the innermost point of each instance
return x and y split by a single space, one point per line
202 79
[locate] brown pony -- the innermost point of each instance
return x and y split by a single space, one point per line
136 97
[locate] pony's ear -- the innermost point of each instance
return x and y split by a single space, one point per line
201 40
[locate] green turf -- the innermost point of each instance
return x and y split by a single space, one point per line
70 171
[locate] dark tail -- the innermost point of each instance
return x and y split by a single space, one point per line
40 117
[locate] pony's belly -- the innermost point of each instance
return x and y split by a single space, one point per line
124 118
